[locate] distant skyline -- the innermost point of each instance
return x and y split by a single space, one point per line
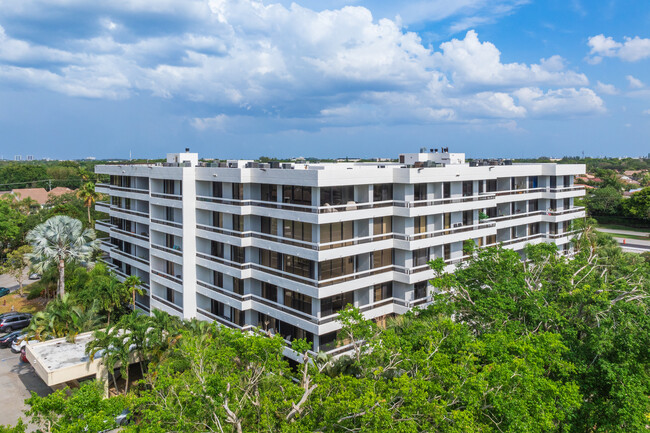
329 78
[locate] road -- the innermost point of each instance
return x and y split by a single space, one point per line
629 245
17 380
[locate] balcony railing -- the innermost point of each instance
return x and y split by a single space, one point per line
450 231
177 252
167 223
167 196
450 200
167 303
123 188
177 280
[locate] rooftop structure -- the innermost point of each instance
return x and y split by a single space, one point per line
285 246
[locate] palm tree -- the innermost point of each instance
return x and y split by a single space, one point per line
58 240
88 194
134 284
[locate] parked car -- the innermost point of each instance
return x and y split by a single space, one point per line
23 356
4 291
8 339
34 276
13 321
20 343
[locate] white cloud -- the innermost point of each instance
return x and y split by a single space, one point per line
630 50
560 102
646 112
634 83
607 89
244 59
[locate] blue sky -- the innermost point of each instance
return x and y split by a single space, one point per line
328 78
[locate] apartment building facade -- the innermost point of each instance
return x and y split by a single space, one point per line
285 246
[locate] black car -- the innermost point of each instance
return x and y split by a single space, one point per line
12 321
6 340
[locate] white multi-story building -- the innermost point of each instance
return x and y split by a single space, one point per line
285 246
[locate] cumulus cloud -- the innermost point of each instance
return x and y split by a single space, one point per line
630 50
607 89
634 83
245 59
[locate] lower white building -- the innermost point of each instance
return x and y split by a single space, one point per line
285 246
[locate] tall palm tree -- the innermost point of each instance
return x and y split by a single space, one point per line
88 194
58 240
134 284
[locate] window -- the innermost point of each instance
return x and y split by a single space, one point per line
481 186
553 182
217 189
238 285
420 257
266 322
238 191
383 291
237 254
238 223
336 195
297 230
236 316
490 240
420 191
382 225
567 203
169 213
533 182
446 189
216 308
447 251
382 258
217 219
468 217
336 268
216 249
491 212
170 295
447 220
269 192
336 231
298 266
334 304
328 341
420 290
271 259
217 278
468 188
533 205
290 332
297 301
269 225
420 224
567 181
491 185
382 192
270 292
296 194
533 229
552 228
168 186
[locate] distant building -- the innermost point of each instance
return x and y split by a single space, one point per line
90 158
40 195
30 157
18 157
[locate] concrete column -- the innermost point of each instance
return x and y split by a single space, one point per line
189 242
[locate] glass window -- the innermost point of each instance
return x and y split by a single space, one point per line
447 220
297 301
336 231
468 188
237 254
382 258
336 195
336 268
298 266
270 292
420 257
420 224
268 192
267 323
382 225
217 219
217 189
238 286
420 290
238 191
217 279
334 304
533 181
420 191
382 192
216 308
238 223
269 226
296 194
447 251
446 189
271 259
383 291
533 205
468 217
297 230
491 185
216 249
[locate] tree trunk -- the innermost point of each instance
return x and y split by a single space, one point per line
89 222
109 319
20 288
133 298
61 278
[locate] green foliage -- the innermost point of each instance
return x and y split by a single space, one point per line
18 175
76 411
596 304
10 223
605 201
17 264
63 317
20 427
638 205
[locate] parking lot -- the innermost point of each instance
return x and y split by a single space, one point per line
17 380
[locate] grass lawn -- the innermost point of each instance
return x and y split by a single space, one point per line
622 227
643 238
21 304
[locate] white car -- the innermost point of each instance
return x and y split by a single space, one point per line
19 343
